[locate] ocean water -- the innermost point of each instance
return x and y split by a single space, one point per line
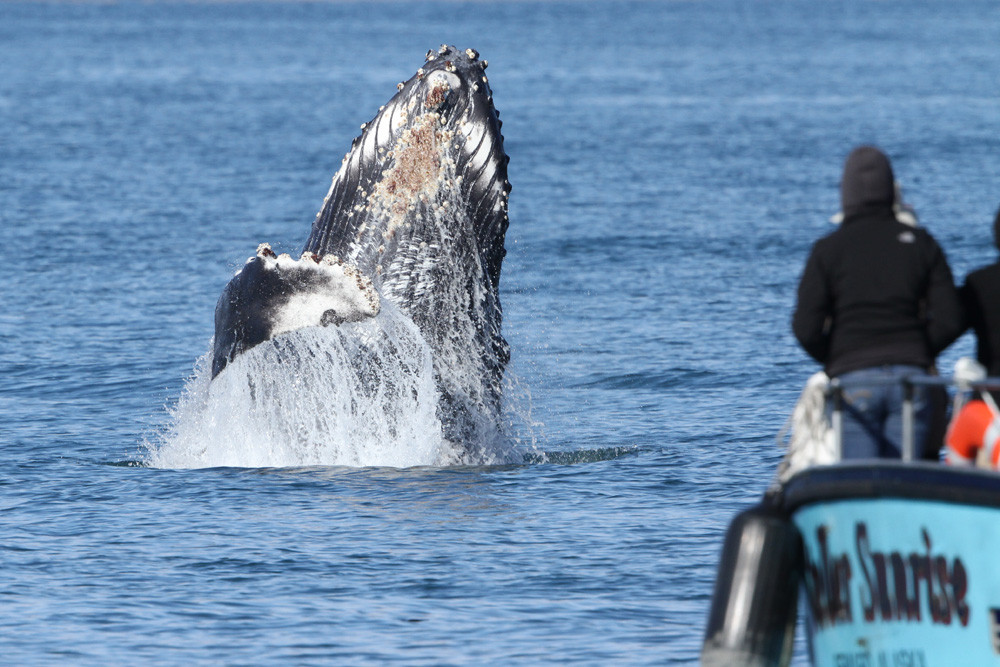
672 162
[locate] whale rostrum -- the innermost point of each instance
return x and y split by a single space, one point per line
416 215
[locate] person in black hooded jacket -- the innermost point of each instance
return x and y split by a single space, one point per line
981 298
876 303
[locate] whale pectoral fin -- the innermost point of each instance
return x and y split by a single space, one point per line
272 295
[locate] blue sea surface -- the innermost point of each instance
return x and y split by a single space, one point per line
671 162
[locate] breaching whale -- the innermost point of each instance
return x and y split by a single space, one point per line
415 216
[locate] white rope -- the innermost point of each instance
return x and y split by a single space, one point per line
811 438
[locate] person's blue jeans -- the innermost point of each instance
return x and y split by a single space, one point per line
873 412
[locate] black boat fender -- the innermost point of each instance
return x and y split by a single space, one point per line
752 617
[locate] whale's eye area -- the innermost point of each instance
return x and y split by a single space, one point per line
331 317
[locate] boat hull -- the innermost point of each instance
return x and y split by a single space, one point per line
900 563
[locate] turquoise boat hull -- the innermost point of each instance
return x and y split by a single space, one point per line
901 563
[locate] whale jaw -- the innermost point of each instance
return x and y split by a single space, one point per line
272 295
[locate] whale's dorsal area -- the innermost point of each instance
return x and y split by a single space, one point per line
416 214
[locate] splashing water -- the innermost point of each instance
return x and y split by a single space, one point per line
361 394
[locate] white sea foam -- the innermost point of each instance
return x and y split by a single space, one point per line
361 394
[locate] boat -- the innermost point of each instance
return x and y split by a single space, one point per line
893 563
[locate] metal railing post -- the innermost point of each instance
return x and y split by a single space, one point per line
908 389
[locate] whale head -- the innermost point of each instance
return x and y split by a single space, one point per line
418 208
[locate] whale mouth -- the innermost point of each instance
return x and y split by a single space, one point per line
274 294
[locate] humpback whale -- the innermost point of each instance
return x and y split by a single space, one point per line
415 219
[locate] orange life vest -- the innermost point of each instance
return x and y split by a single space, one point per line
974 435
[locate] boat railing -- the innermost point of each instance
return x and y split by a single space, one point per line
835 395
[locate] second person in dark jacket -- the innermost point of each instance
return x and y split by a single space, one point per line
981 298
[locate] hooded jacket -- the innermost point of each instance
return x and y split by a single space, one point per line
876 291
